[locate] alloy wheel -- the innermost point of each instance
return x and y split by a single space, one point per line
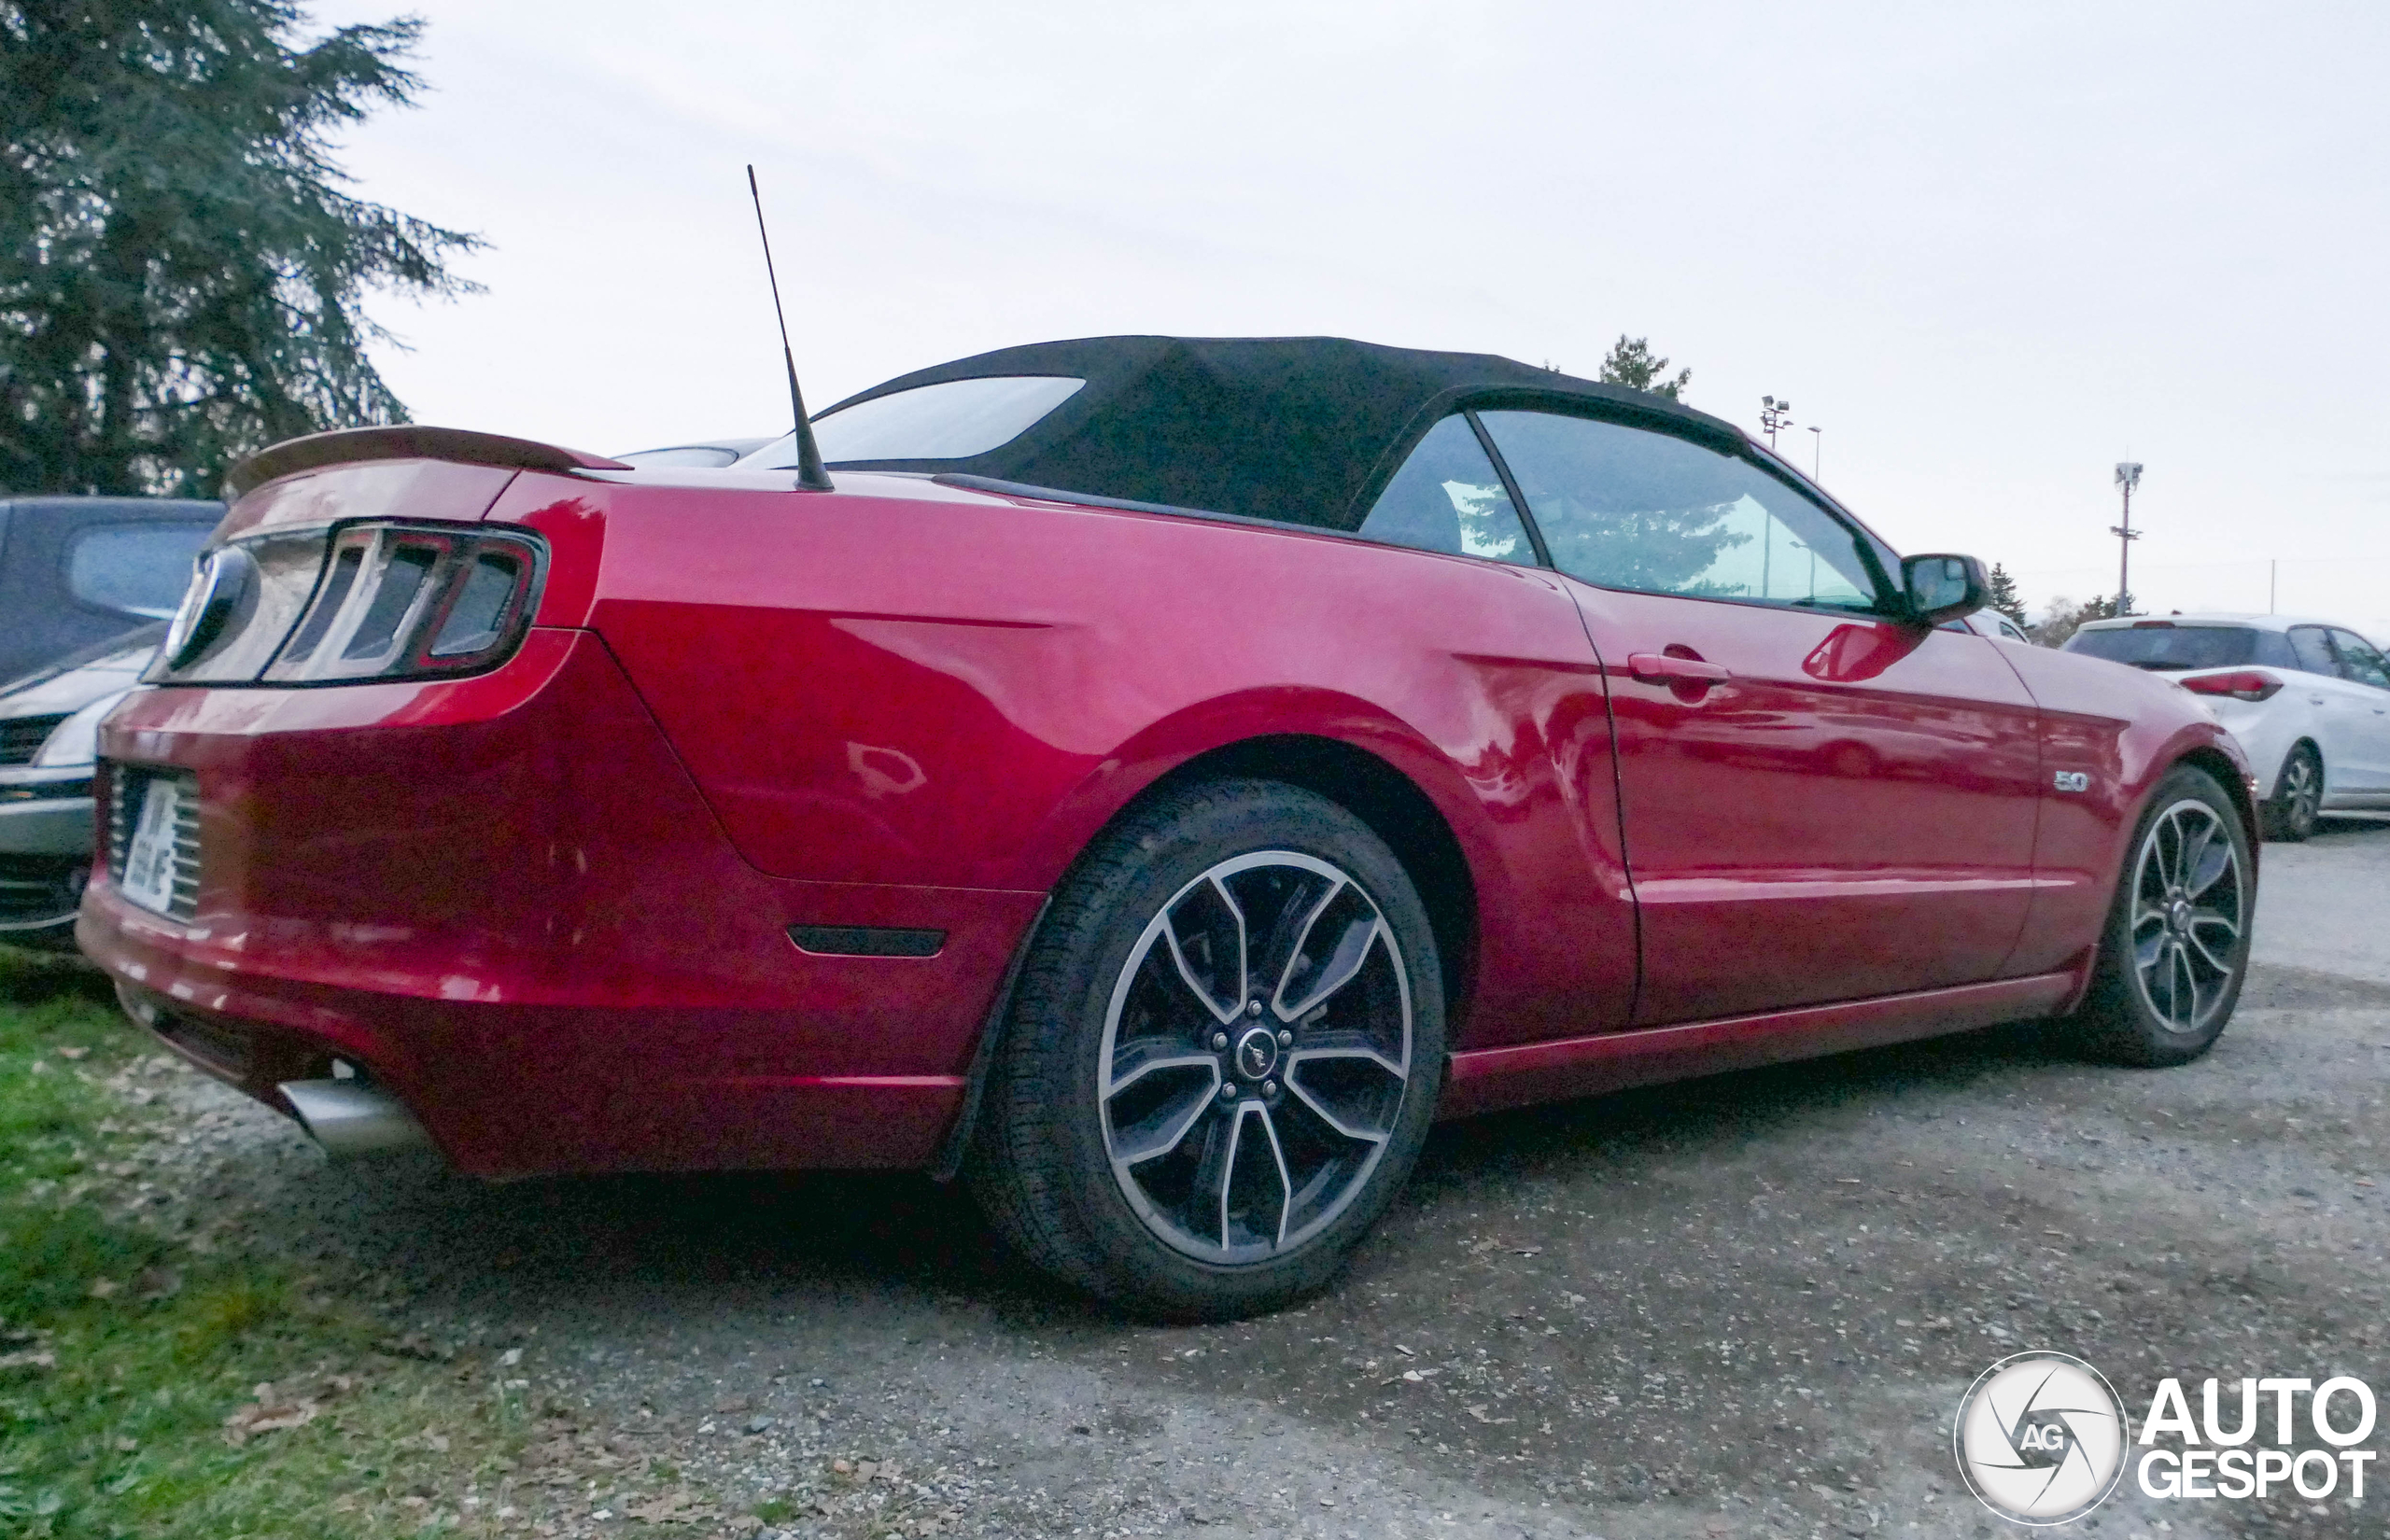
2302 791
2189 908
1256 1054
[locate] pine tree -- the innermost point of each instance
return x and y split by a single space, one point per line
2003 594
1630 363
181 267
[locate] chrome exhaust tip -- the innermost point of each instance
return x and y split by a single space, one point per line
350 1118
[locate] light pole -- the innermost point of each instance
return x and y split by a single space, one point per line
2128 477
1774 414
1817 452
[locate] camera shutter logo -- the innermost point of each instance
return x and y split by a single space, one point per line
2041 1438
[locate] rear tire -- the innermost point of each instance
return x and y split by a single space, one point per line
2176 948
2290 815
1222 1058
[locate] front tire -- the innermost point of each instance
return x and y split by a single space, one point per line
2299 797
1223 1056
2176 949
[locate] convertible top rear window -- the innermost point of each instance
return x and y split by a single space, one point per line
2165 649
953 420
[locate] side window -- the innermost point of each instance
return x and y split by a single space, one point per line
1447 497
137 568
2273 650
2312 649
2360 660
1628 507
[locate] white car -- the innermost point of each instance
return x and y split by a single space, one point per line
1999 627
49 722
2309 700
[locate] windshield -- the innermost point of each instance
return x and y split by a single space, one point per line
951 421
2166 648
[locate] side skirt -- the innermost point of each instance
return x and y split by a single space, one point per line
1490 1079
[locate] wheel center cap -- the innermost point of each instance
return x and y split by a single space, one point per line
1257 1053
2179 916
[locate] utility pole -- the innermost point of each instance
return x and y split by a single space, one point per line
1774 414
1817 452
2128 477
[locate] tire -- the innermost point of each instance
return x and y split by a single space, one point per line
2176 948
2290 815
1135 1095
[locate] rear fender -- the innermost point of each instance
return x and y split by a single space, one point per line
1133 768
1506 977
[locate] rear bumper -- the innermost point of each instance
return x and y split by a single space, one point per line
504 900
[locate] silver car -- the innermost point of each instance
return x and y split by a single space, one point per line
49 725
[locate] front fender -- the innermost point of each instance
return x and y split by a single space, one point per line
2123 730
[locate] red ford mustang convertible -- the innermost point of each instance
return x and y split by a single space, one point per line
1155 780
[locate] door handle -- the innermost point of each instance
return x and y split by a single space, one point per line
1658 669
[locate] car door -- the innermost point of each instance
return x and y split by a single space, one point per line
2363 667
1820 801
2338 710
1571 968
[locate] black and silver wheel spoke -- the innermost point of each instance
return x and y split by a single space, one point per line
2214 937
1254 1057
2188 911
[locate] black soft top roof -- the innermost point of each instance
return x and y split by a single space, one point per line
1305 429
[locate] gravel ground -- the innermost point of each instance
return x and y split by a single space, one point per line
1744 1306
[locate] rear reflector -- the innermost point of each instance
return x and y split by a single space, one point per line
866 940
2241 684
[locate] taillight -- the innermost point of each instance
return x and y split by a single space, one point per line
401 600
371 600
2245 685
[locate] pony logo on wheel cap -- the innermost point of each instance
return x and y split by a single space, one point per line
1256 1054
2041 1438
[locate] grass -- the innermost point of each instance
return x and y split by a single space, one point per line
125 1345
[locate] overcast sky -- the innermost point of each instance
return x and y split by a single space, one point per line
1989 250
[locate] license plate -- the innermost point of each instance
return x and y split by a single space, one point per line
149 860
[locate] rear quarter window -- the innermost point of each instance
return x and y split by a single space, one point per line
133 569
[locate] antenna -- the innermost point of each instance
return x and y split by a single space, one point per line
810 477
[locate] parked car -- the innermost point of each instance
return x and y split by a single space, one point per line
1999 627
2309 700
711 453
1158 780
48 738
75 571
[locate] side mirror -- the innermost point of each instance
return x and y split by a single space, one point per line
1942 588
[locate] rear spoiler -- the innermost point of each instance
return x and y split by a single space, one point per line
407 441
